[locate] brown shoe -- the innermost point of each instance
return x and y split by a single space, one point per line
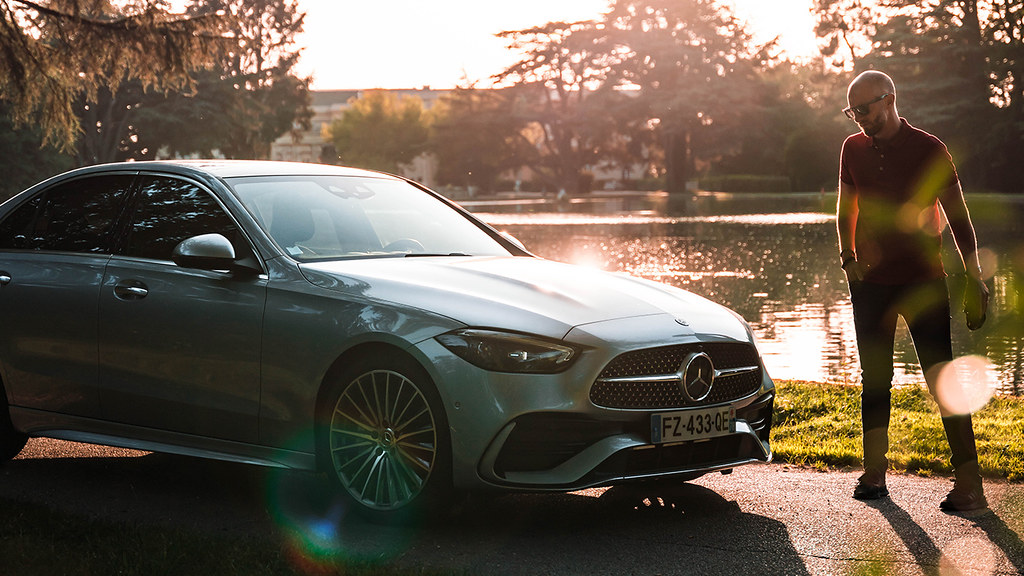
871 486
967 494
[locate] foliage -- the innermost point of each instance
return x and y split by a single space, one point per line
563 73
25 160
919 39
800 115
847 27
381 131
663 84
787 133
476 135
695 69
678 87
52 52
819 425
958 67
236 108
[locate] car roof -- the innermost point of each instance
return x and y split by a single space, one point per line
233 168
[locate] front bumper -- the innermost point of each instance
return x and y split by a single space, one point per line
560 451
560 432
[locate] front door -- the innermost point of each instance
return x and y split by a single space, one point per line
180 348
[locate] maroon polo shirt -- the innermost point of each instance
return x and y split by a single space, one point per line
898 183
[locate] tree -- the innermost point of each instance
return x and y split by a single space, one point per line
477 135
51 53
269 99
1003 34
381 131
945 58
695 69
794 130
847 27
236 108
564 71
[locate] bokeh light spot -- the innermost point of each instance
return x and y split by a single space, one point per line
989 262
965 385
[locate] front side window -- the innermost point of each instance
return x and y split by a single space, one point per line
170 210
75 216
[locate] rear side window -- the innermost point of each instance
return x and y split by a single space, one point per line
170 210
75 216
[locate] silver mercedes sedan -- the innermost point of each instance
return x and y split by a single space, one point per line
326 318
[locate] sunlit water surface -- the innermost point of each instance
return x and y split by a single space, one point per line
773 259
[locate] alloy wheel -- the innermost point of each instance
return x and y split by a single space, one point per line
383 440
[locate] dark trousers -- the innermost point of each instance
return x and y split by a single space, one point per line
925 308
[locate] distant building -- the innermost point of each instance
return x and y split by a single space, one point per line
314 145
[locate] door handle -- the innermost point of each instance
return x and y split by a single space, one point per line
5 278
134 291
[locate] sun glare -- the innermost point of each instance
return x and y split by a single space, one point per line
789 20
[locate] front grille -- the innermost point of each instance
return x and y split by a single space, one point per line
639 394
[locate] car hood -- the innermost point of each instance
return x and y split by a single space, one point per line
521 293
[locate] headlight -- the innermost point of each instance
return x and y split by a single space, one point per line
508 352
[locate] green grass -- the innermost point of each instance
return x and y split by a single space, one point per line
819 425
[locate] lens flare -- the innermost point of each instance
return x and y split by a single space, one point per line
965 385
318 525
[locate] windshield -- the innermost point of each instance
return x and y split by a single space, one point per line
332 217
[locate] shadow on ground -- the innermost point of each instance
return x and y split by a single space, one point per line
661 528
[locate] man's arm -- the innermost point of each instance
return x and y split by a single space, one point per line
960 225
846 225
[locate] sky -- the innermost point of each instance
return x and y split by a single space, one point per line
357 44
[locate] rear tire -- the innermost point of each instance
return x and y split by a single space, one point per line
385 439
11 441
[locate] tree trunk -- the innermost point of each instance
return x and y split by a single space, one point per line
677 161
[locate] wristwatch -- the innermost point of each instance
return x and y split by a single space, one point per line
847 256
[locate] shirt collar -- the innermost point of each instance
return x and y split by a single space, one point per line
897 140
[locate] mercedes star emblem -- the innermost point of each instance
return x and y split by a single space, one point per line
698 374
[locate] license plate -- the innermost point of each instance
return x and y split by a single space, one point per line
692 424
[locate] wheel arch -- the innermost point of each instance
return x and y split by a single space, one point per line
341 365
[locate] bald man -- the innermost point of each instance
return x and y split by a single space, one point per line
893 180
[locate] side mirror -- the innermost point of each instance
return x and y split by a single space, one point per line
205 252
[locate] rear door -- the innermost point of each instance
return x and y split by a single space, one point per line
53 249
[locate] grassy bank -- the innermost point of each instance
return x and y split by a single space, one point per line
816 425
819 425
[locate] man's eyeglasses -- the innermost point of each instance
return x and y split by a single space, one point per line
861 110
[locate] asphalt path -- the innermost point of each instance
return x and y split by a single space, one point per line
761 519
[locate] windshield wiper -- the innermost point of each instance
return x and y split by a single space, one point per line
422 254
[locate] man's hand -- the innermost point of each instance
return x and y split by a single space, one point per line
854 273
976 298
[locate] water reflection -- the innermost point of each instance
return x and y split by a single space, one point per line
773 259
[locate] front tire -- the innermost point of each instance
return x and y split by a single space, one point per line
386 440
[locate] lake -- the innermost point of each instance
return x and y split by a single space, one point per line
773 258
